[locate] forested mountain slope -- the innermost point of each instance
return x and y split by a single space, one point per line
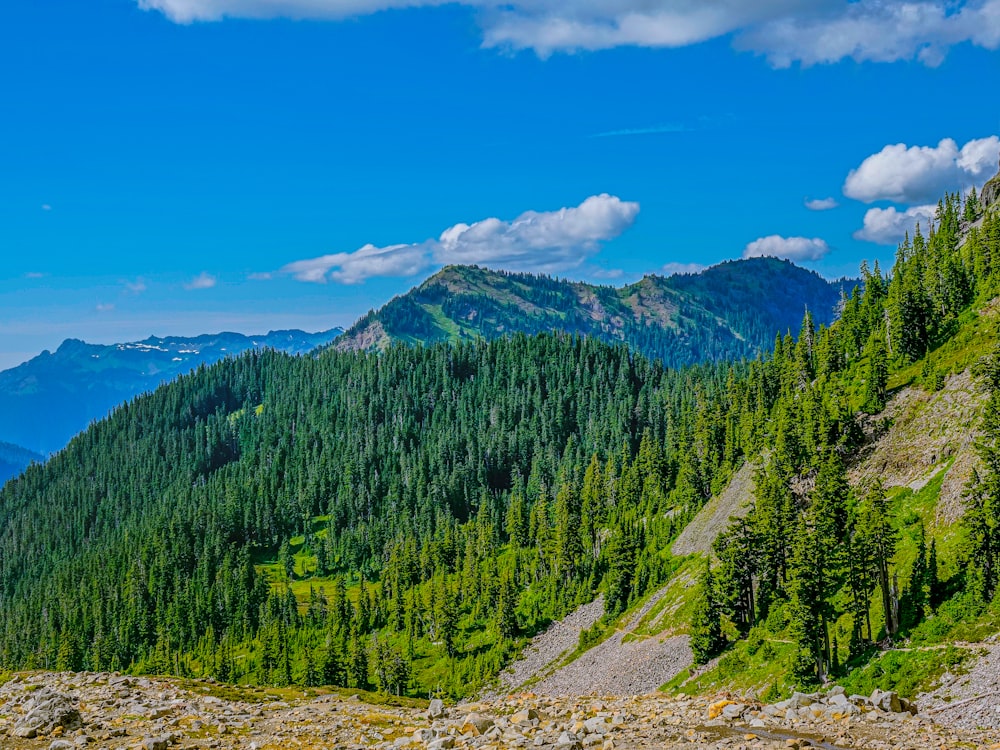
728 311
50 398
407 519
856 545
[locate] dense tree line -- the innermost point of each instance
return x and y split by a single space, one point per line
442 493
815 548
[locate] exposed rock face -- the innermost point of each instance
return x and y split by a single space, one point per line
990 196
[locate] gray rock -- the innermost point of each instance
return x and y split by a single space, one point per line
596 725
733 710
838 699
835 690
798 700
45 713
886 700
436 709
442 743
568 741
482 724
62 745
155 743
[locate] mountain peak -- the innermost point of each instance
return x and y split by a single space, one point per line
733 309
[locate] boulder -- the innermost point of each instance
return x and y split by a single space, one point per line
436 709
45 713
476 724
798 700
596 725
568 741
733 710
886 700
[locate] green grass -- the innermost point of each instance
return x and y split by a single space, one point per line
973 336
907 672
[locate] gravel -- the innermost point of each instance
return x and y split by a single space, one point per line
735 501
545 648
970 700
619 668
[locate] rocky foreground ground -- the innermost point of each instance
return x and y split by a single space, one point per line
69 711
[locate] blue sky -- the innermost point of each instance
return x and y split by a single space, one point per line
185 166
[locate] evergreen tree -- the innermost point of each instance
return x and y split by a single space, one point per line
706 620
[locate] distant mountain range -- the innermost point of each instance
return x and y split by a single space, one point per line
50 398
14 459
727 311
730 310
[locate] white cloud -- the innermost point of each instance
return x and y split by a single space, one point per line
34 275
670 269
548 242
362 264
539 242
785 31
821 204
46 207
102 307
917 174
887 226
792 248
875 30
202 281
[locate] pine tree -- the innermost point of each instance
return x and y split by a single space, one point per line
876 376
706 620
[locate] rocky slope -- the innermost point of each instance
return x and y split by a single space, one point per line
67 711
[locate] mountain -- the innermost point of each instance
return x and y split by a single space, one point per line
14 459
50 398
728 311
410 519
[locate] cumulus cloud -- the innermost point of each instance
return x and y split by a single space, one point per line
784 31
875 30
672 269
792 248
917 174
887 226
548 242
202 281
821 204
540 242
368 261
